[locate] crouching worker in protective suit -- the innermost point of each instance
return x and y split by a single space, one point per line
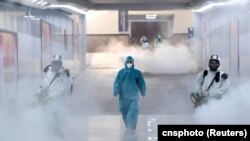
211 83
145 45
129 81
53 92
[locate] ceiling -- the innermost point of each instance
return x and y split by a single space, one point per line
136 4
140 5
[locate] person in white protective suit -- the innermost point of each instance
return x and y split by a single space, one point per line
210 84
145 45
53 92
57 82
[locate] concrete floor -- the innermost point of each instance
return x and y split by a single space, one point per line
167 102
94 114
166 94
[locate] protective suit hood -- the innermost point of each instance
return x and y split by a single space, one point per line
128 60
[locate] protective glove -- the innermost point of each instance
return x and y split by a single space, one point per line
199 91
41 95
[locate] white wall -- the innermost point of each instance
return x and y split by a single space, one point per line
182 18
59 48
102 22
29 54
106 22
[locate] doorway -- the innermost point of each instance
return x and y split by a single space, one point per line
150 29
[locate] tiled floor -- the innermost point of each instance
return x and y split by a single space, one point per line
167 102
93 113
111 128
166 94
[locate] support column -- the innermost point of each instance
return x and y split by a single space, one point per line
234 48
82 41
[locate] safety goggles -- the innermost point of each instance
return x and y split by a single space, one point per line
56 64
214 62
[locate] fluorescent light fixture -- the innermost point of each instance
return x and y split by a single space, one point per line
44 3
33 1
151 17
39 2
208 6
66 6
217 4
28 16
31 18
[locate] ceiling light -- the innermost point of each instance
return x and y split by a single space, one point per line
33 1
66 6
39 2
44 3
26 16
208 6
218 4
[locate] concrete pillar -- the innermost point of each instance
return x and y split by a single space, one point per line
82 41
234 48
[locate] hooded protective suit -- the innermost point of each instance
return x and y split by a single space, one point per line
53 93
212 84
56 84
60 87
158 39
217 88
145 45
127 85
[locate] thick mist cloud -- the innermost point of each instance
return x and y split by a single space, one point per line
25 124
168 60
20 121
233 108
165 59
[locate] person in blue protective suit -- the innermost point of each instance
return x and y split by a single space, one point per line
129 81
158 39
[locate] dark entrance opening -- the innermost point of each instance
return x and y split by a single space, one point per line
150 29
